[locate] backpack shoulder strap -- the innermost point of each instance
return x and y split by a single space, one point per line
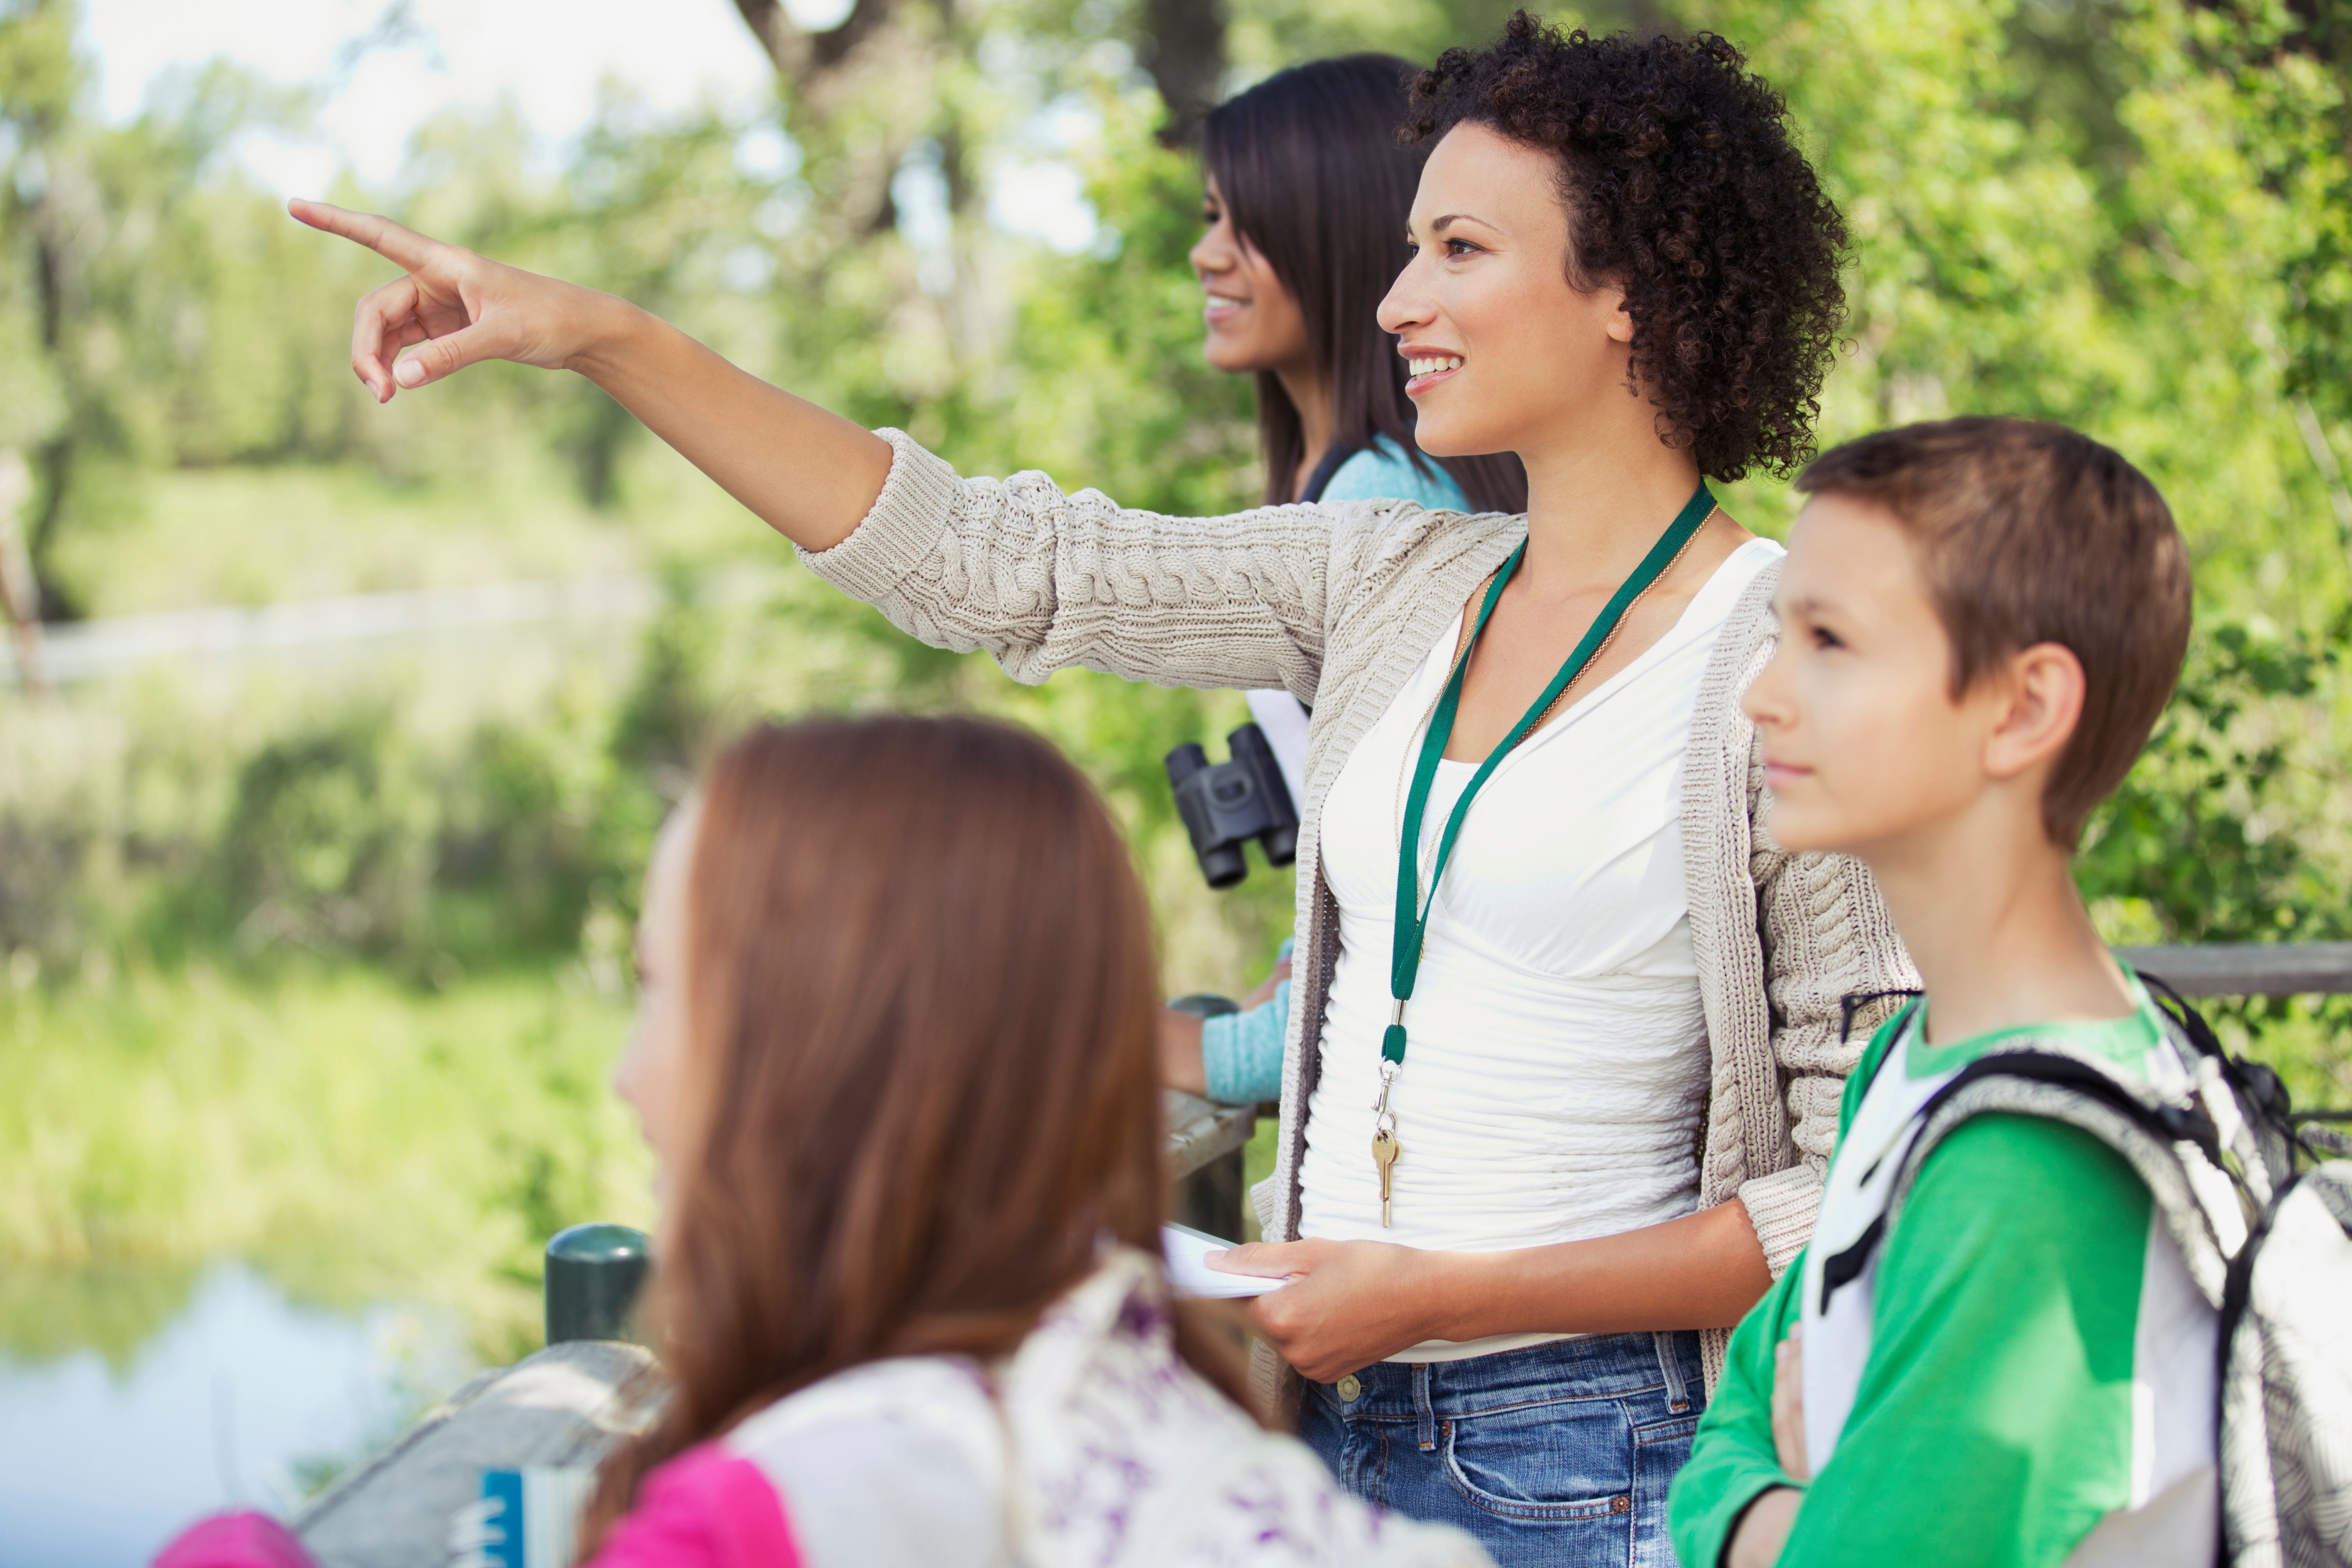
2164 1142
2265 1143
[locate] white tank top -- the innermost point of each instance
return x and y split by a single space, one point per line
1558 1066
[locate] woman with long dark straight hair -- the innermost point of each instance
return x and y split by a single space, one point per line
1571 1030
1308 188
1306 191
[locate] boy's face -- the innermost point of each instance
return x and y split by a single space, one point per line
1862 741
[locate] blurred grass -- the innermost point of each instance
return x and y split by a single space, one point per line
365 1138
252 536
189 538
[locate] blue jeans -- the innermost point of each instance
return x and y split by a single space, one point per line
1559 1454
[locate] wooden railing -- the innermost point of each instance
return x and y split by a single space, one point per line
1206 1140
2248 968
1201 1131
563 1409
566 1406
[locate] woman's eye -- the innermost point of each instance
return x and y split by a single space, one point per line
1460 248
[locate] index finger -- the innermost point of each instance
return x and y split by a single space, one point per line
403 247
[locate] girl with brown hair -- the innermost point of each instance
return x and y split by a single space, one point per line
894 1057
894 1054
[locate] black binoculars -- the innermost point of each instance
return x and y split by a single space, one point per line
1226 804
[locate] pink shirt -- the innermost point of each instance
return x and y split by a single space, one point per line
705 1508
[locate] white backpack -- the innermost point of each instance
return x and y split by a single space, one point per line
2269 1247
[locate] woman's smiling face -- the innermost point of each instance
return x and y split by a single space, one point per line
1504 351
1253 322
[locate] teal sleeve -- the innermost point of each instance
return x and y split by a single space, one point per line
1992 1427
1384 472
1242 1052
1732 1462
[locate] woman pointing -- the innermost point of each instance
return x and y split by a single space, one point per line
1565 1051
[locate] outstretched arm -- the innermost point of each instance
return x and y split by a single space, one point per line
809 473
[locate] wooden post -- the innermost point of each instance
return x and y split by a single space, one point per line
1205 1162
594 1274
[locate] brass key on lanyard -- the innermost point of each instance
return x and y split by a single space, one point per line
1416 895
1386 1149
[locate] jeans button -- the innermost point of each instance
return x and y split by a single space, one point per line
1350 1388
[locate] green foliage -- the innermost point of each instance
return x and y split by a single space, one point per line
435 840
340 831
430 1145
2126 215
2195 838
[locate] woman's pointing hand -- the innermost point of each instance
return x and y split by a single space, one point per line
453 306
811 476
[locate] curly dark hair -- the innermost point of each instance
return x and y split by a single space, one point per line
1683 188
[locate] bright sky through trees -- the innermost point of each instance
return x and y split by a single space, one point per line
385 69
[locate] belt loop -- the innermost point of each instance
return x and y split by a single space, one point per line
1423 1408
1671 1365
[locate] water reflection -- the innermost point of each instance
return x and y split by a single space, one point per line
242 1398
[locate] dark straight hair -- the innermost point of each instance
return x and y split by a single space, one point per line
1313 175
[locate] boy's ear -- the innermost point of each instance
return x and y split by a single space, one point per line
2043 702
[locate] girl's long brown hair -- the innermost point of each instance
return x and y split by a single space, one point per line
920 1080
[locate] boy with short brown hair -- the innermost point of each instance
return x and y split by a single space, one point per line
1981 620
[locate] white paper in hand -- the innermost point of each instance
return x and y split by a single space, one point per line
1187 1267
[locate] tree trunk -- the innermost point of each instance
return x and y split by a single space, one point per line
799 56
1184 49
20 595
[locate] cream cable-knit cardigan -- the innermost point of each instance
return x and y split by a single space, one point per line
1339 604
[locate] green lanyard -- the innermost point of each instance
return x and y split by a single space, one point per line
1412 908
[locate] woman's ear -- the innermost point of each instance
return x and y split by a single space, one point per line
2044 702
1621 324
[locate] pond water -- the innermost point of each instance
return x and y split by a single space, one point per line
243 1398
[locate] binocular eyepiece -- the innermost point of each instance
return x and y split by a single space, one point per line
1225 805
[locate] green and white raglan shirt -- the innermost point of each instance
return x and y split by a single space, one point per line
2022 1374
